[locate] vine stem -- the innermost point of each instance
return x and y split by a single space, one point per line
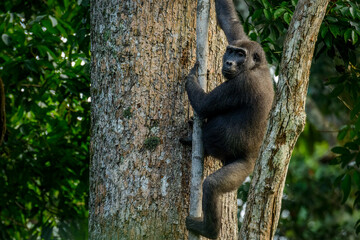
202 26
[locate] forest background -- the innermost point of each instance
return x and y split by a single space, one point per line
44 159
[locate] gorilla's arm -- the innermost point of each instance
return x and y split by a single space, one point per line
219 101
229 21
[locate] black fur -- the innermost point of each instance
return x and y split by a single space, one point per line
236 117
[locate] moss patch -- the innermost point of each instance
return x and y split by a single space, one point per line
151 143
127 113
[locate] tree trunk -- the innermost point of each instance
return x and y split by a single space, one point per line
287 120
139 173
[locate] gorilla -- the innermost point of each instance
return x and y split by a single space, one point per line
235 116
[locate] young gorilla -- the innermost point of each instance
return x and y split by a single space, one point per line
236 117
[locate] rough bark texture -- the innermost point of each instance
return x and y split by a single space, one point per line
287 120
139 173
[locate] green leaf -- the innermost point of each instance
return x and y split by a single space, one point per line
354 112
357 159
342 133
6 39
331 19
49 27
266 3
347 34
342 10
334 30
66 3
334 81
338 179
279 12
53 20
357 125
340 150
352 12
287 18
328 41
357 178
337 91
346 159
31 65
253 36
62 30
346 187
352 133
357 222
324 31
352 146
267 14
354 37
37 19
335 161
294 2
257 14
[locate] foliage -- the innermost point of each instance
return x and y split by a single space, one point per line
335 88
151 143
44 63
312 206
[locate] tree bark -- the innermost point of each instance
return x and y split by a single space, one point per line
287 120
139 172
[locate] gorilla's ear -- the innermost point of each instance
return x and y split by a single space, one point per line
256 58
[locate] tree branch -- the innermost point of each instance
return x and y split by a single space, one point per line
202 23
287 120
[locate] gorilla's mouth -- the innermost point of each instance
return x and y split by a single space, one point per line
229 73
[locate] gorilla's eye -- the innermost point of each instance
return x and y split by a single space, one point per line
256 57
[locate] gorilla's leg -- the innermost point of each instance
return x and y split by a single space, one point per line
226 179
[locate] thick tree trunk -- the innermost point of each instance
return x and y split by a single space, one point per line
287 120
139 173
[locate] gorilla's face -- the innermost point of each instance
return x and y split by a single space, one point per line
233 61
242 56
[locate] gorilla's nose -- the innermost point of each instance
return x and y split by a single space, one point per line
230 63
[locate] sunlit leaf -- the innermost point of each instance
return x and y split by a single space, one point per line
287 18
347 34
267 14
53 20
266 3
279 12
354 36
6 39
